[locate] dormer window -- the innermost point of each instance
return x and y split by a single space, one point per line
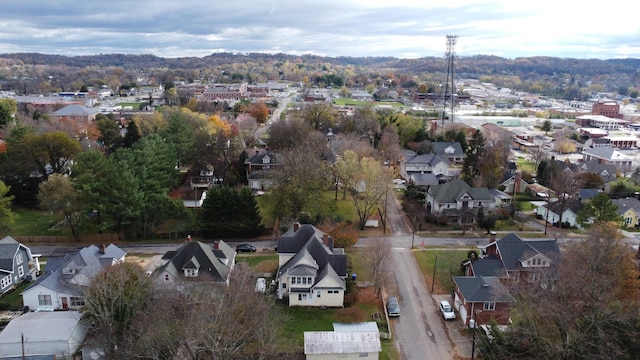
449 150
191 272
266 160
68 271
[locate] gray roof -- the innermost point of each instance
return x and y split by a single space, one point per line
513 249
451 191
371 326
305 243
626 204
75 110
586 194
489 266
257 159
422 179
198 255
430 159
482 289
606 153
81 266
8 249
440 147
339 342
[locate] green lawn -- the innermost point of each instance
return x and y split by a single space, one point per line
526 165
260 263
447 265
30 222
14 299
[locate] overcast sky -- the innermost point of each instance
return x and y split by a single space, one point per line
398 28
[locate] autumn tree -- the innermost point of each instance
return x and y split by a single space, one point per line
565 184
319 116
112 301
50 152
259 111
58 195
287 134
377 255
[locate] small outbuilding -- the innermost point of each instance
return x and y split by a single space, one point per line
56 333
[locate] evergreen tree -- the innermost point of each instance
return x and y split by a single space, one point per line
230 212
472 157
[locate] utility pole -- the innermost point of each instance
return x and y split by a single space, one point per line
450 55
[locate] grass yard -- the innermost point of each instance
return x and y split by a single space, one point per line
526 165
30 222
260 263
13 300
447 265
351 102
134 105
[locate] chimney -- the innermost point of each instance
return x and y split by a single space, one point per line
188 238
216 245
104 249
326 240
517 181
492 236
296 225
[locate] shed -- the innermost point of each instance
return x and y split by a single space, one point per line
320 345
58 333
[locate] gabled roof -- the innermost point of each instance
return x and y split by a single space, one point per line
607 153
329 279
453 190
447 148
626 204
513 249
200 256
8 249
341 342
586 194
69 274
423 179
261 157
307 243
482 289
427 159
488 266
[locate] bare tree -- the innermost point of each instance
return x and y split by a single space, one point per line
565 184
377 255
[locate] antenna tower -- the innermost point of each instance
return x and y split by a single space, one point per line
449 92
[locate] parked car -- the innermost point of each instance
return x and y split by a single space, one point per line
446 310
393 307
245 248
399 181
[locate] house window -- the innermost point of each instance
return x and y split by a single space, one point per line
318 294
20 271
44 300
515 277
627 221
166 277
190 272
363 355
535 277
77 301
19 258
302 297
489 306
5 281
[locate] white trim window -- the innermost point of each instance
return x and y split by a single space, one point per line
20 271
302 297
489 306
44 300
191 272
19 258
5 281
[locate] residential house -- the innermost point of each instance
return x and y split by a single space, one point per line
606 155
17 264
585 195
501 198
325 345
629 209
458 201
62 283
513 259
423 179
483 299
452 151
554 213
513 183
422 164
258 169
195 263
311 272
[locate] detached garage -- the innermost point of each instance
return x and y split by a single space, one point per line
58 333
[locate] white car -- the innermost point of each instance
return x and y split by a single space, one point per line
399 181
447 310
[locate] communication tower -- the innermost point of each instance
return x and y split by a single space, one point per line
448 94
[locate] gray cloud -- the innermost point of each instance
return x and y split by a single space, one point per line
334 28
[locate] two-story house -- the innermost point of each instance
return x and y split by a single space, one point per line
414 164
452 151
63 280
458 201
311 272
258 169
17 264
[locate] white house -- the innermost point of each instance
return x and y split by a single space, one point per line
311 271
17 264
62 283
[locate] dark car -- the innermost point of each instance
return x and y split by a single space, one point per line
393 308
245 248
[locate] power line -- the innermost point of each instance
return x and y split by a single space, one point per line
449 80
